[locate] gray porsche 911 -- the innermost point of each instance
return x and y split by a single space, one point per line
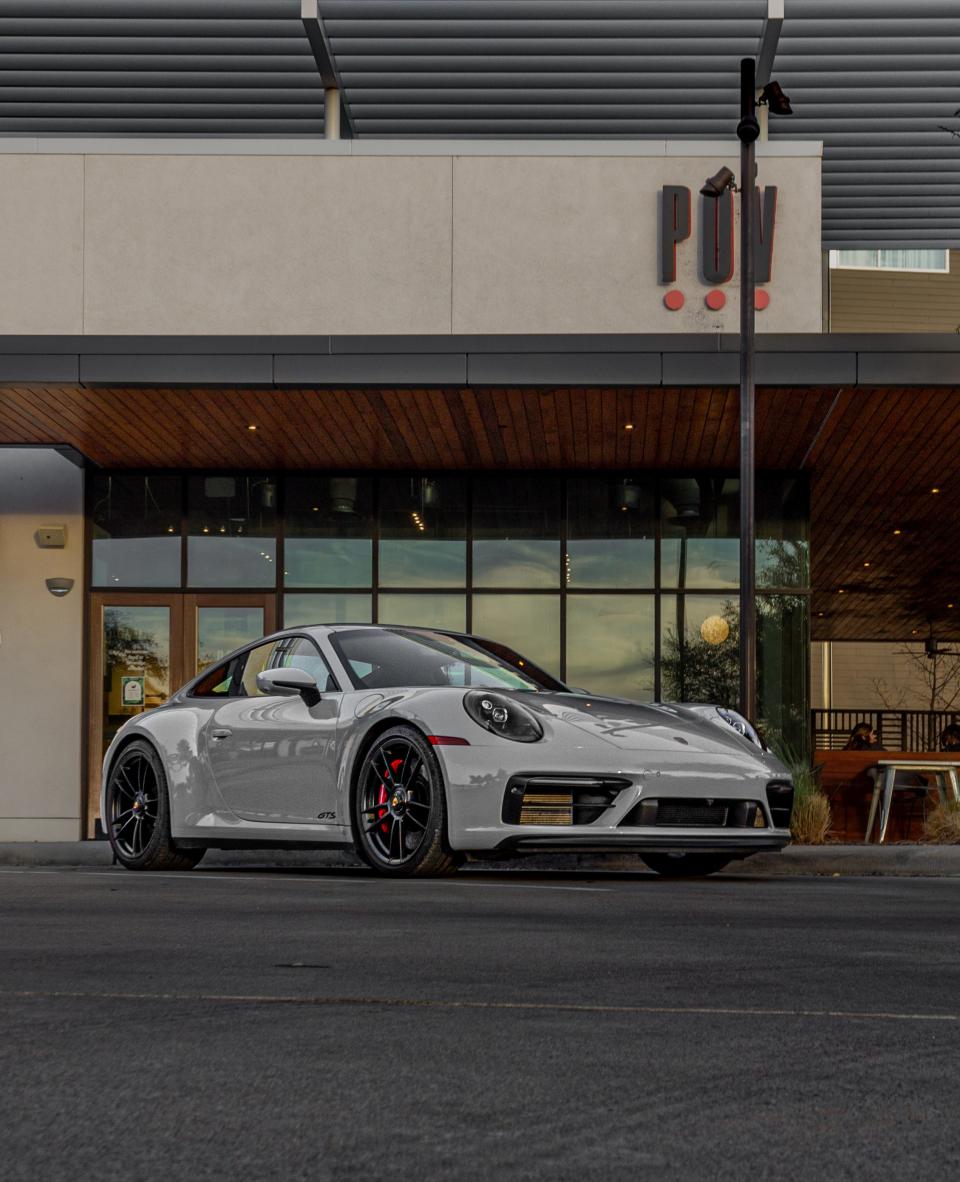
418 747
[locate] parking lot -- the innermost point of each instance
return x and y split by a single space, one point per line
326 1024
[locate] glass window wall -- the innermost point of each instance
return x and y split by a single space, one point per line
135 530
516 530
231 531
328 531
622 583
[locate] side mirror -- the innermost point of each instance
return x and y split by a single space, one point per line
289 682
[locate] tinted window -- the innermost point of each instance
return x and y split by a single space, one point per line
380 658
217 682
257 659
304 654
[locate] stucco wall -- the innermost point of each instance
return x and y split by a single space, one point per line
41 638
364 238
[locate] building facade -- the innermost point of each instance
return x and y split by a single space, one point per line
471 386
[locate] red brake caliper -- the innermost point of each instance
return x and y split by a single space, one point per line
384 794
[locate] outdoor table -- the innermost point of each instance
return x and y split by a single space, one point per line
884 786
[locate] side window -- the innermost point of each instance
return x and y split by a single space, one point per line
216 683
302 653
257 660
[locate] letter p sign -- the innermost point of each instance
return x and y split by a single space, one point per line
674 228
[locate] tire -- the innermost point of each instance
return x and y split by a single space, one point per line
138 813
399 808
685 865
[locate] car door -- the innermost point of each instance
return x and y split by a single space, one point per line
273 757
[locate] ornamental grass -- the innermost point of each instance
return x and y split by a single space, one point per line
943 824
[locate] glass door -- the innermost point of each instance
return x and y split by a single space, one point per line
216 624
135 664
143 647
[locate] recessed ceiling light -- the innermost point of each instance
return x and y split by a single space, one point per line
628 426
935 490
897 532
840 590
949 605
866 564
251 426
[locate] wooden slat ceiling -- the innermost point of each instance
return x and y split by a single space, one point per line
873 455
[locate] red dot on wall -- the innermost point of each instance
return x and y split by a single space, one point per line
673 300
715 300
761 299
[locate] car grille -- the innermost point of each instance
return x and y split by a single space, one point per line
559 800
694 813
691 812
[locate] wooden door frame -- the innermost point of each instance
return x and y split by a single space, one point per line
173 600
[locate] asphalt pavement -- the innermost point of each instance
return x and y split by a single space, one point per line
329 1025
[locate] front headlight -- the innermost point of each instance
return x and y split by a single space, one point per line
740 725
502 716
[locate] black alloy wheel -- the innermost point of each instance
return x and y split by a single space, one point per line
685 865
138 813
400 809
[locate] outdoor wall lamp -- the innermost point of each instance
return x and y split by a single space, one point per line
59 587
717 185
773 97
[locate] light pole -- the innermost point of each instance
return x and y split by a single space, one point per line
748 130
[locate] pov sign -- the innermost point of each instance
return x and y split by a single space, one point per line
716 239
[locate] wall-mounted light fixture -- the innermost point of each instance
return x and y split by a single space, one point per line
59 587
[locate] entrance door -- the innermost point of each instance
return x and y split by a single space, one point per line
136 662
143 647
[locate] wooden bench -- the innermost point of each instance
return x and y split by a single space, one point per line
845 780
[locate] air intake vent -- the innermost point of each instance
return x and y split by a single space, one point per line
693 813
780 800
560 800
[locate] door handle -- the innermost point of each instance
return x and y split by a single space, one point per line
221 732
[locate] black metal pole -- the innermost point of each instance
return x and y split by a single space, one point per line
747 131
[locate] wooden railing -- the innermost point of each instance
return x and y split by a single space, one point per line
897 730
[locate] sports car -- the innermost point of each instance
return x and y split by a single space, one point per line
418 747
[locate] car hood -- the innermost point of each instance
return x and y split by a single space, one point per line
635 726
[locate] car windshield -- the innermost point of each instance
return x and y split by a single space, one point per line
378 658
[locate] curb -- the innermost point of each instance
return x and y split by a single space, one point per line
903 861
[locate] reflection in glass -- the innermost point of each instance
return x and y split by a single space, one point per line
329 526
611 528
231 526
136 531
303 609
783 643
528 623
610 644
423 531
783 531
136 663
516 526
700 530
222 629
448 612
699 653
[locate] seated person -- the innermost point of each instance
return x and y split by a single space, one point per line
950 738
863 737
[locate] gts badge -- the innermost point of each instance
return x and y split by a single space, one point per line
326 816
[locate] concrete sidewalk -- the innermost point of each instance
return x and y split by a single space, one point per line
909 861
